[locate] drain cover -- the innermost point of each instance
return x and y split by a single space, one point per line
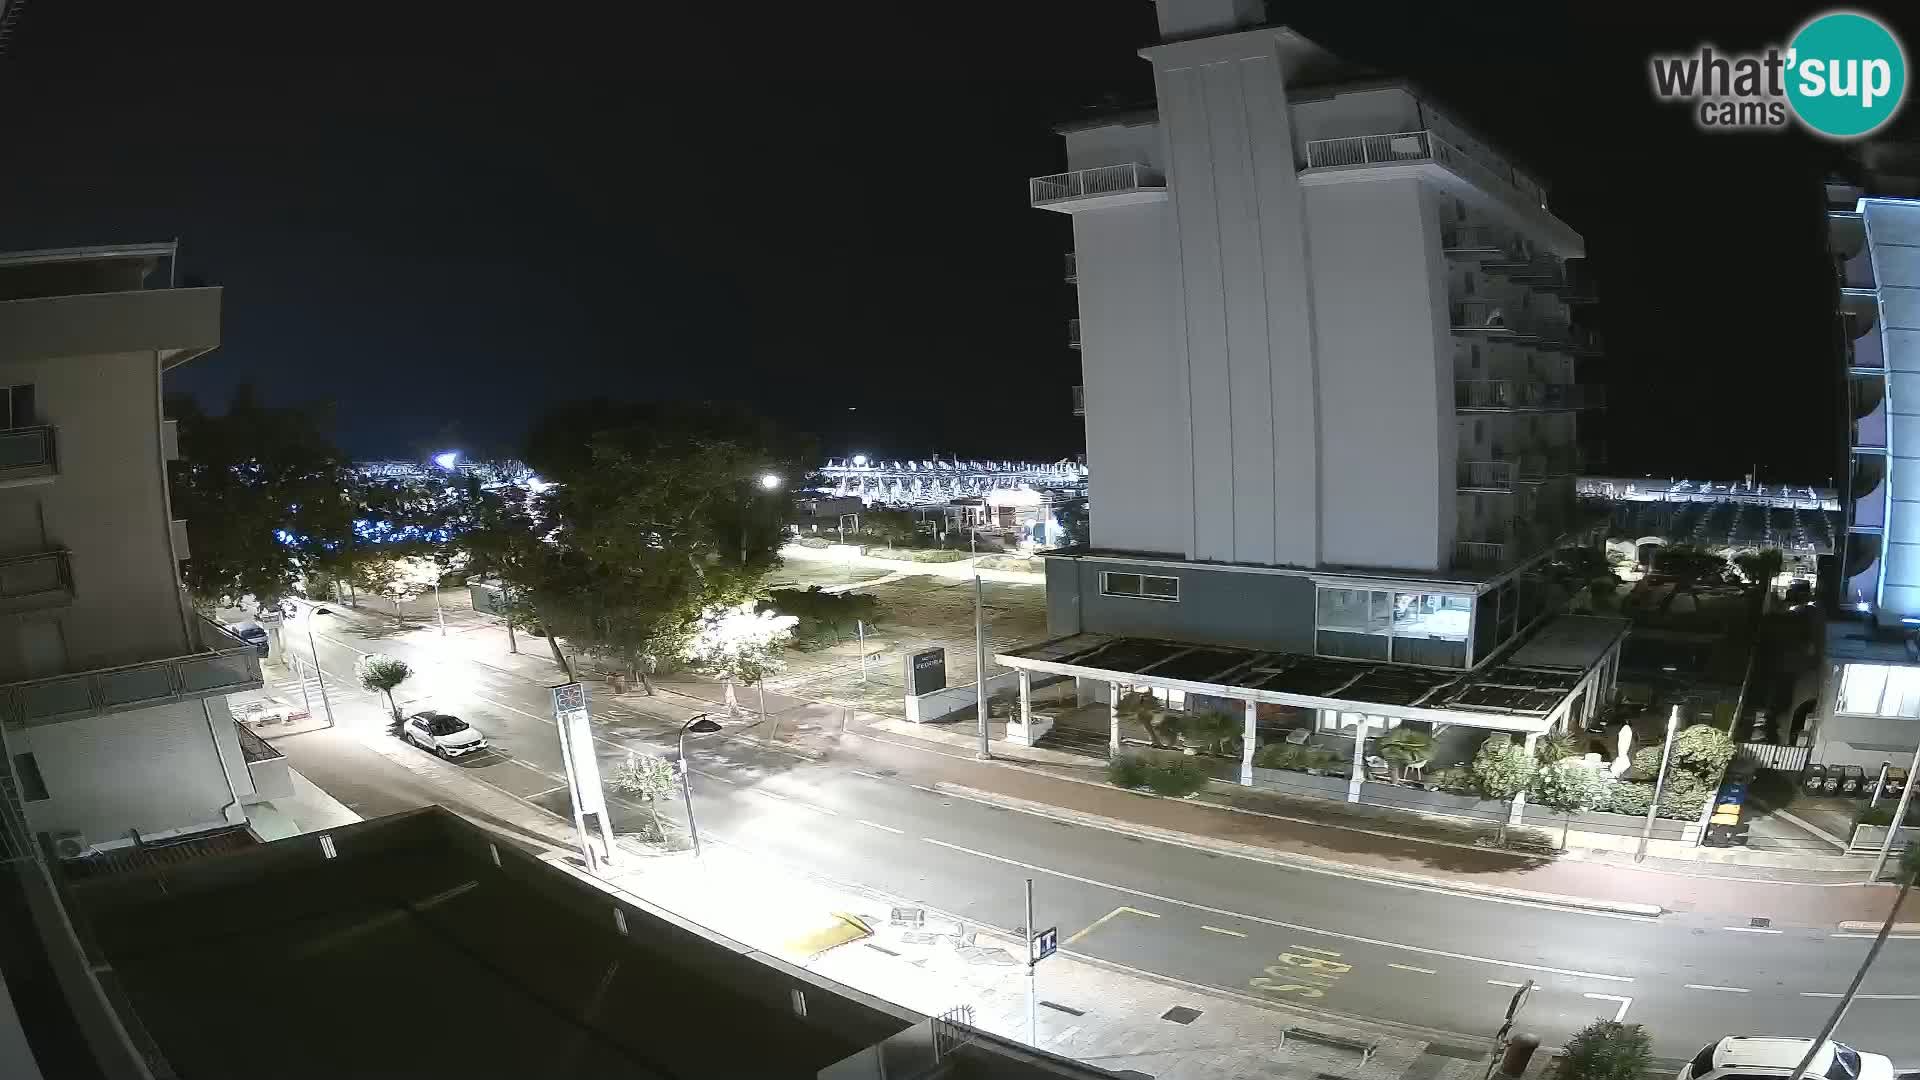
1758 923
1180 1014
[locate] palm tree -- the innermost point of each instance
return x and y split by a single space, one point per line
380 674
1140 708
1405 748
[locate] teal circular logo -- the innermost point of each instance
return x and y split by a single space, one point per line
1848 74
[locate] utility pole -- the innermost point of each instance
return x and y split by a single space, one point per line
980 668
862 624
1659 784
438 612
1033 964
319 674
1899 818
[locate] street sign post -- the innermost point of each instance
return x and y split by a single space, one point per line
583 776
1046 943
1039 946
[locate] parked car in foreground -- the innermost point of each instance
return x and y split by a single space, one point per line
1740 1057
448 736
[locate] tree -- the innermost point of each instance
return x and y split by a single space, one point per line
1141 707
1570 787
381 674
1555 747
267 497
1607 1050
1704 750
1502 767
1404 747
1075 526
1760 568
657 517
400 579
739 644
1690 567
647 778
890 527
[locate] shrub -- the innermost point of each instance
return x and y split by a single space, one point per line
1703 749
1279 755
1630 797
1683 805
1555 747
1607 1050
1127 771
814 542
1404 746
1501 768
1453 778
1176 777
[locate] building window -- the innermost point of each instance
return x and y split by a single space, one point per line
1347 723
1141 586
1880 690
1427 629
33 788
1475 351
16 406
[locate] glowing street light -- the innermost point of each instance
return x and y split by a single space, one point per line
769 481
699 725
447 460
859 461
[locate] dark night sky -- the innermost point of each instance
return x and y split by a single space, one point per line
435 219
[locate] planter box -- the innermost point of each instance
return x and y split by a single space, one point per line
1617 824
1292 782
1433 802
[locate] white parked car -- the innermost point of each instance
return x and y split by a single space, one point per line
448 736
1743 1057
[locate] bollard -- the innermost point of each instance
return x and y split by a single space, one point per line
1520 1048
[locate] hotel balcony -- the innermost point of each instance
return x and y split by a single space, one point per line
98 300
1491 318
1478 242
223 665
1079 401
1516 395
1483 554
1073 333
33 582
27 456
1492 475
1505 473
1097 189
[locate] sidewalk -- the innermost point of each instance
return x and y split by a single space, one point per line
1321 834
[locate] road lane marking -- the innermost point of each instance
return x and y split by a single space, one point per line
1309 948
510 708
868 775
1890 937
882 828
1503 982
827 810
1410 967
1116 911
1749 930
1218 930
1621 1013
716 776
1278 922
1868 997
549 791
1722 989
771 795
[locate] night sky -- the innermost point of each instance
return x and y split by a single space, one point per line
442 222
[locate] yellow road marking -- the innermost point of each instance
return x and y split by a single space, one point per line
1309 948
1409 967
1109 915
1217 930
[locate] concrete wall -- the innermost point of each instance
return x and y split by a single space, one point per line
156 770
1137 417
1216 606
1892 227
943 703
109 507
1386 368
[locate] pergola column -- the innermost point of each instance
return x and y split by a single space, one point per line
1113 719
1246 744
1520 797
1359 772
1026 707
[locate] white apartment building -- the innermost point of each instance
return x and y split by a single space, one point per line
1329 369
112 689
1869 706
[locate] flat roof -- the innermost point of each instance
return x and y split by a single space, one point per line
1857 639
1465 578
1514 694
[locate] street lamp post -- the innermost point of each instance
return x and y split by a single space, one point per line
980 668
439 612
1659 785
699 725
319 675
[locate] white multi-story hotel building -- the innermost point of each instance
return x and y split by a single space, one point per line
112 688
1328 365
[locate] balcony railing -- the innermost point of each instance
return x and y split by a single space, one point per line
224 664
26 452
1073 333
1093 183
1479 240
1515 395
1491 475
1073 268
28 582
1079 401
1409 146
1479 554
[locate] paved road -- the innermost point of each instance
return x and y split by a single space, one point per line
1431 959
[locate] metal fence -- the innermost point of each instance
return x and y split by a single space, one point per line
1084 183
1777 758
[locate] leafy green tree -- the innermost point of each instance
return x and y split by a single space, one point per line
1760 567
1704 750
1074 523
890 527
649 779
267 497
1607 1050
1404 747
1555 747
740 645
1502 767
382 674
1690 567
1570 787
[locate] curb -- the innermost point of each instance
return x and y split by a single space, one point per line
1308 862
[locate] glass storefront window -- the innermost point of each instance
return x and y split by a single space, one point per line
1347 723
1427 629
1880 690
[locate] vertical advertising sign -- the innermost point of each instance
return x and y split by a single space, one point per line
583 776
